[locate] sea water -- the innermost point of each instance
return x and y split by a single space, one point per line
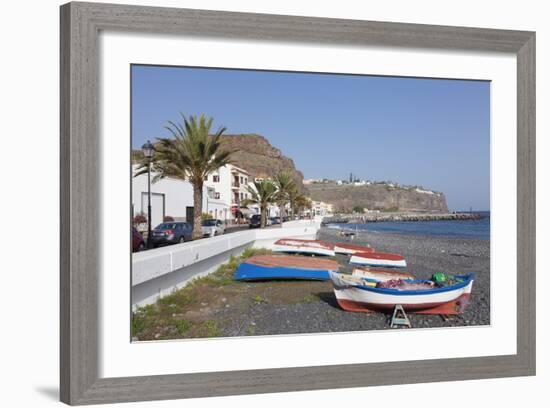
469 229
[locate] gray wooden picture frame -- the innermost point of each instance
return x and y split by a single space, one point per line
80 190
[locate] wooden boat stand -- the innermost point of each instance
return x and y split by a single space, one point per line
399 317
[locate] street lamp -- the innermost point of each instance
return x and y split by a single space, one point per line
148 152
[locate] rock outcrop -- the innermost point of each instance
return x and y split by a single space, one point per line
255 154
382 197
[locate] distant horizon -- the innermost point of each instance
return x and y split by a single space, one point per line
433 133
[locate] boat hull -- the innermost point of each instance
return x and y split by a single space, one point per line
302 250
358 298
303 246
378 259
273 267
250 272
452 307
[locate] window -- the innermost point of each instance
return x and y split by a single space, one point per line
246 180
210 192
216 178
217 195
241 179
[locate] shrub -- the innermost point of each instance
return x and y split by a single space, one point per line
168 218
139 219
183 326
206 216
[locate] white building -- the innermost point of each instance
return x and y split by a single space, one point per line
228 185
173 197
320 208
223 193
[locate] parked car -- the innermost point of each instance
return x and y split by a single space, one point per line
171 233
273 220
255 221
212 228
138 243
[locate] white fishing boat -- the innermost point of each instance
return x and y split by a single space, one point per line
423 297
303 246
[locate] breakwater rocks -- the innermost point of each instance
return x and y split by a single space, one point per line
380 217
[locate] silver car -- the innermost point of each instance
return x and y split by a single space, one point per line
211 228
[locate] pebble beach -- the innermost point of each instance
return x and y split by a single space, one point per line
427 255
318 312
299 307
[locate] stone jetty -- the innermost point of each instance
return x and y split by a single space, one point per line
380 217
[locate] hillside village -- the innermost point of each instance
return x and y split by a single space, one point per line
364 196
354 181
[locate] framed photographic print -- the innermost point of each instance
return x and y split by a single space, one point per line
266 197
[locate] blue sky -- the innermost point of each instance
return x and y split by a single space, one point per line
430 132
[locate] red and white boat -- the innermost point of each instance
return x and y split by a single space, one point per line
303 246
416 296
350 249
380 275
378 259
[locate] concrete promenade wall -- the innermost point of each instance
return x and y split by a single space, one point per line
157 272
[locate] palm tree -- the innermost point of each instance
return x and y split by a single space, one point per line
263 193
295 199
301 202
191 155
285 188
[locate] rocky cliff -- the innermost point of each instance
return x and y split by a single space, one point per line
255 154
382 197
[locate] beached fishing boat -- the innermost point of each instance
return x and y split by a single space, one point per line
350 249
271 267
424 297
380 275
378 259
303 246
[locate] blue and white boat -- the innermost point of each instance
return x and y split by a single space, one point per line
356 294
